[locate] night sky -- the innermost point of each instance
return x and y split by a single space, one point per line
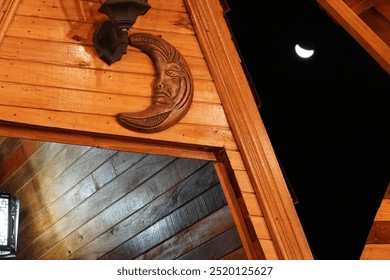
327 118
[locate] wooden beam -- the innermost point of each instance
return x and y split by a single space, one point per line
237 214
360 6
380 233
248 129
105 142
359 30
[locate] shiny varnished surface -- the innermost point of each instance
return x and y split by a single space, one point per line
367 21
55 39
70 98
173 88
80 202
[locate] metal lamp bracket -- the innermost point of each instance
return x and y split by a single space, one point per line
111 37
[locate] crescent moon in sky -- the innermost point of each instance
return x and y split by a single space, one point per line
172 90
304 53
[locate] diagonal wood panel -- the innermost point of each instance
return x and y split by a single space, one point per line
80 202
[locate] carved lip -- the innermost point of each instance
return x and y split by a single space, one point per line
143 124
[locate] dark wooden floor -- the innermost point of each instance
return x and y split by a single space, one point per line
88 203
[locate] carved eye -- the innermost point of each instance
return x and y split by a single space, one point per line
173 70
173 73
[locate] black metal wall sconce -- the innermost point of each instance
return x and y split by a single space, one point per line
9 221
111 37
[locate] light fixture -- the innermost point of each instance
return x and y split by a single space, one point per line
9 220
111 37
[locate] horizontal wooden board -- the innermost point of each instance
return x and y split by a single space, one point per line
85 56
376 252
84 79
379 233
387 194
71 89
383 213
102 104
114 143
82 33
86 11
181 133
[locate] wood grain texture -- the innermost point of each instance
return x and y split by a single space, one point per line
8 9
360 6
376 252
378 240
82 202
151 213
252 140
359 30
129 200
191 237
223 244
70 86
379 233
71 97
172 224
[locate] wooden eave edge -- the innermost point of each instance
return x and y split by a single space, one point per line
359 30
248 129
7 12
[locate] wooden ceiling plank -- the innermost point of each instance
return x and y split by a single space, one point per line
360 6
384 9
359 30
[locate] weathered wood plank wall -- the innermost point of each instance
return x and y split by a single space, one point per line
80 202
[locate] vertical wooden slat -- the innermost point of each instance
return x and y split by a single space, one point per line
237 214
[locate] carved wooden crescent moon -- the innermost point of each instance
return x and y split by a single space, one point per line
172 90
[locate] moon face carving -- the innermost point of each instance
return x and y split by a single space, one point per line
172 90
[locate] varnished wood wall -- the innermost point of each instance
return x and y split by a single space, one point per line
80 202
378 242
56 79
55 88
